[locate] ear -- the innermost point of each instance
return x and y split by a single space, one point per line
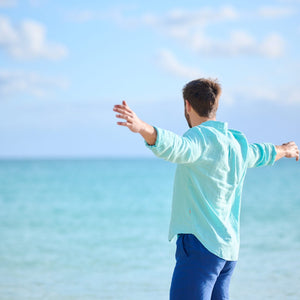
188 106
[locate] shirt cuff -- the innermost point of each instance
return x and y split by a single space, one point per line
157 139
274 154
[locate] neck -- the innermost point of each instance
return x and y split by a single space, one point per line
197 120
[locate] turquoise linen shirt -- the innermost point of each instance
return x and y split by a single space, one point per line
212 163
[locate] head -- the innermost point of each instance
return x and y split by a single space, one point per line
203 96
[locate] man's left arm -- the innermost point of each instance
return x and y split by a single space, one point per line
265 154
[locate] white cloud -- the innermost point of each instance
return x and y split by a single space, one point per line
178 18
276 11
169 63
240 43
284 94
174 19
7 3
189 28
237 43
16 82
36 2
82 16
272 46
115 14
28 41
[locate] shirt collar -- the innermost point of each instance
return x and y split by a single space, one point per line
216 124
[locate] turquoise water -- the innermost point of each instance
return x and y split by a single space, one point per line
97 229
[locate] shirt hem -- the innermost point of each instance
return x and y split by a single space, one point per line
225 257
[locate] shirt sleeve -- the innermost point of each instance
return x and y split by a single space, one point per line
261 155
177 149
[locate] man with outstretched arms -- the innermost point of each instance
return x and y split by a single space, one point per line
212 161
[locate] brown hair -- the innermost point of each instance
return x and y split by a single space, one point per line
203 95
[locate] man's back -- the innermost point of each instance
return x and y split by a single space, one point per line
212 163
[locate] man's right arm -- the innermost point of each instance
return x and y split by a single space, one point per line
163 143
134 123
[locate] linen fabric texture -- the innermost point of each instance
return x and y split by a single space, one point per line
212 163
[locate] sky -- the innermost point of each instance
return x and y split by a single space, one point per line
64 64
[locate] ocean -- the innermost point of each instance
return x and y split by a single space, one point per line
97 229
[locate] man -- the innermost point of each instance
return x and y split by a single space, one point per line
212 163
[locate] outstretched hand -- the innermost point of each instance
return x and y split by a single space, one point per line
134 123
288 150
131 119
291 150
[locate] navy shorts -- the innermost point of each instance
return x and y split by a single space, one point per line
199 274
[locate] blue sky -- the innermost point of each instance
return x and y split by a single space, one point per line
64 64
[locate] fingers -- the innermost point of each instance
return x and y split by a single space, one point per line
124 103
125 117
122 109
292 149
295 152
289 143
123 124
124 112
